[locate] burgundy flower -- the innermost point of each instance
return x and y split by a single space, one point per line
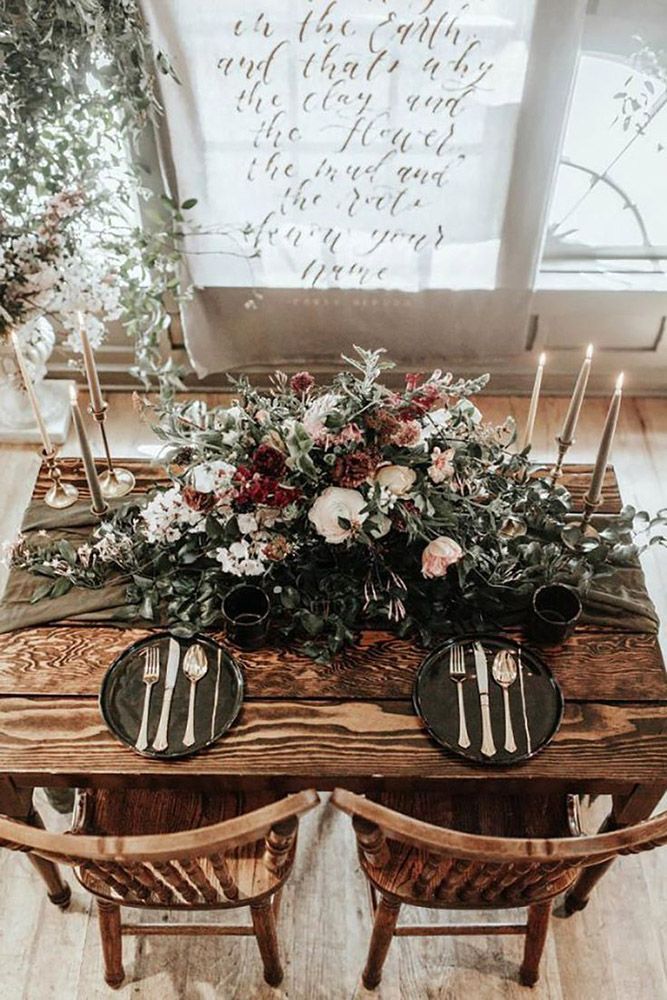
258 489
196 500
412 380
284 495
268 461
354 469
384 422
430 397
302 383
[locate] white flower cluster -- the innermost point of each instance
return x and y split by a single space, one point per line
42 273
167 517
245 557
109 546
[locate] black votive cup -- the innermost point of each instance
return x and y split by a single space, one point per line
555 611
245 610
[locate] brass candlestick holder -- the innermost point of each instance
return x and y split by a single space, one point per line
585 530
101 512
115 482
557 471
59 495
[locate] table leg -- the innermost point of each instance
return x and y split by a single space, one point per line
626 810
16 803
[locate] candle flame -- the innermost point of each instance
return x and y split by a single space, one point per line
73 394
542 360
589 351
619 382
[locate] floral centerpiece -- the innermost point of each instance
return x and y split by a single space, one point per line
352 504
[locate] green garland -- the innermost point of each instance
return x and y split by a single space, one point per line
352 504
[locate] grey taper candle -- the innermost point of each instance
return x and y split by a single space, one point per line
597 480
98 504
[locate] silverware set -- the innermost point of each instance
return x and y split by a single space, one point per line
506 668
194 667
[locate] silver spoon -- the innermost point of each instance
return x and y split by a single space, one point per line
504 672
195 665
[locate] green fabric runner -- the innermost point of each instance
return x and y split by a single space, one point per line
620 602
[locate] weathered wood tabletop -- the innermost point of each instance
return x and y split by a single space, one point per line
351 722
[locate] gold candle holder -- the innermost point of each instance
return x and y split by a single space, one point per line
586 530
59 495
557 471
115 482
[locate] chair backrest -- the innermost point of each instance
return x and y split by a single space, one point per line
186 860
461 866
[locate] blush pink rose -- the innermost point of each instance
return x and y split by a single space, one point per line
439 555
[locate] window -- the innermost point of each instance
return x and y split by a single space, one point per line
608 211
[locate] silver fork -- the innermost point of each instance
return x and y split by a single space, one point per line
151 675
457 673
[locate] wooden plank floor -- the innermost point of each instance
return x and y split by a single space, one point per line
616 948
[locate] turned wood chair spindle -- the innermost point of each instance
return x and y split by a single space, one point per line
124 851
440 864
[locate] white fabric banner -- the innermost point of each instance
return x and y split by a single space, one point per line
349 144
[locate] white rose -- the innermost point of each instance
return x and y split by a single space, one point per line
210 476
398 479
333 503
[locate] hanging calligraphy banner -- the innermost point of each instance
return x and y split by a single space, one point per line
345 144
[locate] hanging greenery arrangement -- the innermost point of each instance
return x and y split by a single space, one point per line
79 98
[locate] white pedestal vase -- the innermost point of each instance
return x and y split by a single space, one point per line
17 422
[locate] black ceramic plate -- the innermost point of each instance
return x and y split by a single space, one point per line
436 701
123 690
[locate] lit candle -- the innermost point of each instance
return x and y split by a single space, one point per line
96 398
595 490
534 400
98 503
574 409
29 388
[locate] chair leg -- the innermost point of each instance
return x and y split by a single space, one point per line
536 935
384 925
108 914
264 924
578 896
58 891
275 903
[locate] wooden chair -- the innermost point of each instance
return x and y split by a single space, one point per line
476 852
176 850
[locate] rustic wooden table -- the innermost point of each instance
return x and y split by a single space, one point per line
350 723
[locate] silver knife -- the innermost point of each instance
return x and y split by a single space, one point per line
488 747
529 745
161 741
